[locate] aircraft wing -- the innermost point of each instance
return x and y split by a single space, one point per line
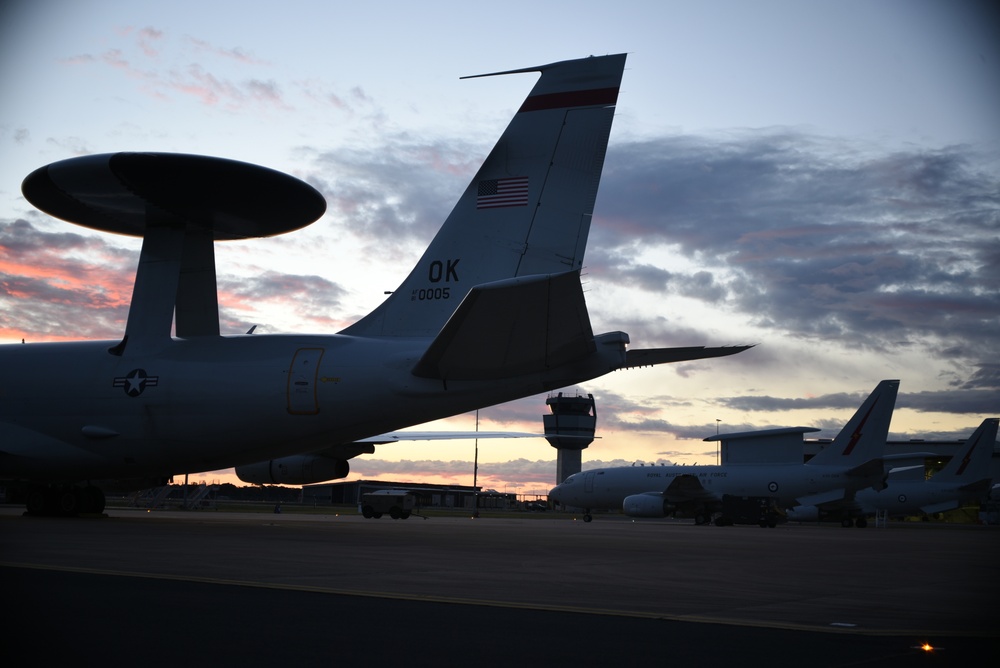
343 451
978 490
824 498
940 506
364 446
650 356
843 507
331 462
396 436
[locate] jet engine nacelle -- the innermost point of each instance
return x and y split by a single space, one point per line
294 470
646 505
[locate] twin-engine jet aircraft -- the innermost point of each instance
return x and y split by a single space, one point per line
493 311
756 493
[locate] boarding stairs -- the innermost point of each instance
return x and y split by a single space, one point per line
201 491
150 498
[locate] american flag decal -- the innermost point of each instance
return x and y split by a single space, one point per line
498 193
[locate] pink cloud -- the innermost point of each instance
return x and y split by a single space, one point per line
146 38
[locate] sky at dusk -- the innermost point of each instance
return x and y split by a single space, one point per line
819 179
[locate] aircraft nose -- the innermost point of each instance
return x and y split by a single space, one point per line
554 493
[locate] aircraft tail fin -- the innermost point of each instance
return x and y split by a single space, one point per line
527 210
863 437
972 460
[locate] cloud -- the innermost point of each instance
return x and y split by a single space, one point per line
395 194
212 89
816 238
522 472
313 300
237 54
963 401
66 285
190 67
147 39
62 285
970 401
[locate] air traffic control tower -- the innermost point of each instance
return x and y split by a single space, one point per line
571 424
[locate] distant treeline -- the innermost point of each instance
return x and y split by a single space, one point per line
261 493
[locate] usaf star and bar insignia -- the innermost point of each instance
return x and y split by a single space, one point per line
136 381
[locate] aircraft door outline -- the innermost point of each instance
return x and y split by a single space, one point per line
302 381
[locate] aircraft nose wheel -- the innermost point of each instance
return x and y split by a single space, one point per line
587 516
68 501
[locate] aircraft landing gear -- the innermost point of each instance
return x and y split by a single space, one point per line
64 501
587 516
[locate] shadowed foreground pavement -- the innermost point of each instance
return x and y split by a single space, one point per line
230 588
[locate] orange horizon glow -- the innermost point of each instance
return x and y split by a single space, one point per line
19 336
531 489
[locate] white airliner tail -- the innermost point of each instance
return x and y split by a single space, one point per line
862 440
527 211
972 462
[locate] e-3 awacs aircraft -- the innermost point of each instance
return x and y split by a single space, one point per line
493 311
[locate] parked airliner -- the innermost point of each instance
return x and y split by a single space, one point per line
966 478
754 493
493 311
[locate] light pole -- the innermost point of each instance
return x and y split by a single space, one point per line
475 472
718 443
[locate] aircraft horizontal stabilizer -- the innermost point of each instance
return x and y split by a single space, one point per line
512 327
651 356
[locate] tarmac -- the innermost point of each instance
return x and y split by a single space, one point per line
216 588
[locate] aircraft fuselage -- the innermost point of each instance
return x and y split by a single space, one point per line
608 488
75 411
